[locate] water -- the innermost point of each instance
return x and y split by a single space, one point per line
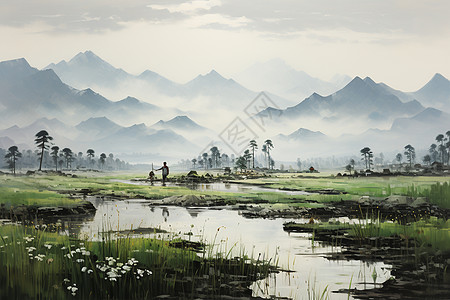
229 230
223 187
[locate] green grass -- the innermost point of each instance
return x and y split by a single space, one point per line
41 265
15 192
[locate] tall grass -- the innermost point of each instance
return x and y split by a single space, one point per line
41 265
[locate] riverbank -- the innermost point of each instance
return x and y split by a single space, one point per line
399 201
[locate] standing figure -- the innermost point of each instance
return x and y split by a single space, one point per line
165 172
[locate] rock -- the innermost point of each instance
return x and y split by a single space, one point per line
364 199
419 202
192 174
396 200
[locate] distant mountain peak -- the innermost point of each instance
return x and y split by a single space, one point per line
86 56
16 68
369 81
18 62
439 76
212 75
178 122
130 99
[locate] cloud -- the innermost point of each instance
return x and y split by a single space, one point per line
282 17
187 7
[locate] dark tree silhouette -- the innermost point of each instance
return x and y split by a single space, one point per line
433 152
68 156
253 146
367 156
102 159
410 153
194 161
269 146
241 163
54 154
205 159
264 150
42 140
247 157
427 159
215 155
440 140
12 156
90 154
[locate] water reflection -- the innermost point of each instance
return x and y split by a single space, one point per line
231 232
221 187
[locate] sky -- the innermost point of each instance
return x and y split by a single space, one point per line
402 43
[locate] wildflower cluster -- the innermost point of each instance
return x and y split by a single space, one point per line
111 269
114 270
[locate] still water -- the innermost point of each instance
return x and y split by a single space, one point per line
221 187
228 230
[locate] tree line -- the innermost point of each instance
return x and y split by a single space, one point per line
437 153
48 155
214 159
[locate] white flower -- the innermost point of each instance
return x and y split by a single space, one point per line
74 289
63 248
83 269
5 237
111 274
80 260
66 280
48 246
90 271
126 268
112 279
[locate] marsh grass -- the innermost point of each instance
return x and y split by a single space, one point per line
42 265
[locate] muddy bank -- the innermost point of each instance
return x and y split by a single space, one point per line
26 213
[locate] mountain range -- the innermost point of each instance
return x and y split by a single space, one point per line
361 113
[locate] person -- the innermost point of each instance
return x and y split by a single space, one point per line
151 176
165 172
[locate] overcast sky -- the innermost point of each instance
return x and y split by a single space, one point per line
399 42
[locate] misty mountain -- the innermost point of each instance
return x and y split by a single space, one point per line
141 139
33 93
303 134
86 68
60 131
96 128
102 135
431 121
178 123
209 90
6 142
279 78
436 93
361 98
